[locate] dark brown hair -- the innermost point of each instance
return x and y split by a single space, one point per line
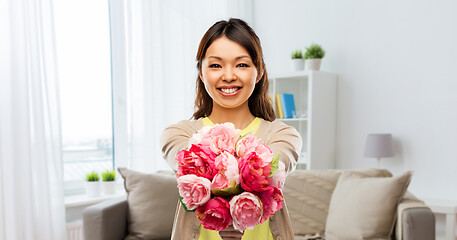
240 32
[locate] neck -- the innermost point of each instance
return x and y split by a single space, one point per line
241 117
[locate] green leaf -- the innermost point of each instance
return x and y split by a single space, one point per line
274 164
241 137
227 192
184 205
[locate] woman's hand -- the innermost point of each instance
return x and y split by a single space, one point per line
230 233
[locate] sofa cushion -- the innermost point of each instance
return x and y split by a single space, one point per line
308 194
151 200
364 208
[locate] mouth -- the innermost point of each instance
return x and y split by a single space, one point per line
229 91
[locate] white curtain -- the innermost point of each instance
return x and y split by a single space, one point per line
159 43
31 187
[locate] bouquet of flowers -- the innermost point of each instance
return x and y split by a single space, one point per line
224 177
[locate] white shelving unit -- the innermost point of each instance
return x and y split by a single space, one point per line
315 101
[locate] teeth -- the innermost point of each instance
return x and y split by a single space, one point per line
229 90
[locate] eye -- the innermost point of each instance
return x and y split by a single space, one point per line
215 65
243 65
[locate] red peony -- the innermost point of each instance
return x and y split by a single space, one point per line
198 160
215 214
254 173
272 200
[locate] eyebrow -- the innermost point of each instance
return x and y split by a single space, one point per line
237 58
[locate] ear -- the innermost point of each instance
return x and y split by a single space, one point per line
259 77
199 68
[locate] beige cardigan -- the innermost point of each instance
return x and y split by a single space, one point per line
278 136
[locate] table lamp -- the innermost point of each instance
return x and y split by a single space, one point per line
379 145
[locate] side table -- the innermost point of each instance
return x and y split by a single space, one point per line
447 207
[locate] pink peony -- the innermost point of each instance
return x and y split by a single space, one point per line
254 173
277 180
220 181
197 137
194 190
198 160
250 144
220 138
271 202
215 214
229 175
246 210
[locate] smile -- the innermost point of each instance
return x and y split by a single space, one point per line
229 91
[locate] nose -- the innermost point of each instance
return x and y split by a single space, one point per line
229 75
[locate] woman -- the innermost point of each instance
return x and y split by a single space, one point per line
232 86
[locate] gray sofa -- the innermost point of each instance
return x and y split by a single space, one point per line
110 221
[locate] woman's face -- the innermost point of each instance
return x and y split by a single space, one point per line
228 73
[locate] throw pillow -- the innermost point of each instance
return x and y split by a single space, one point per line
152 201
364 208
308 194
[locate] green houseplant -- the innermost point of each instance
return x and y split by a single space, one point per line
297 54
92 176
313 55
297 60
109 175
109 181
92 184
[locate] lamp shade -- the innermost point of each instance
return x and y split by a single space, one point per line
379 145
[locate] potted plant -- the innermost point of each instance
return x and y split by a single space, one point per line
109 181
313 55
92 184
298 63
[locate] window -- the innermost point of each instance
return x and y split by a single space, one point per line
84 66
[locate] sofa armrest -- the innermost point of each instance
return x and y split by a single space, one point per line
106 220
418 224
415 221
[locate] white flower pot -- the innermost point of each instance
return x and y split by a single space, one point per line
313 64
298 64
92 188
109 187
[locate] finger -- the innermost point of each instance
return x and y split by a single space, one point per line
230 229
228 234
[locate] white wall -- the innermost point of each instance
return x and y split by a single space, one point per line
397 66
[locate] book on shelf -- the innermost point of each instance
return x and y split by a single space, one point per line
288 105
279 106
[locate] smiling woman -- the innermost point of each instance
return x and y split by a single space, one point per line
232 86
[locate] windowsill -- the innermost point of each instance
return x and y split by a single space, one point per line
84 200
